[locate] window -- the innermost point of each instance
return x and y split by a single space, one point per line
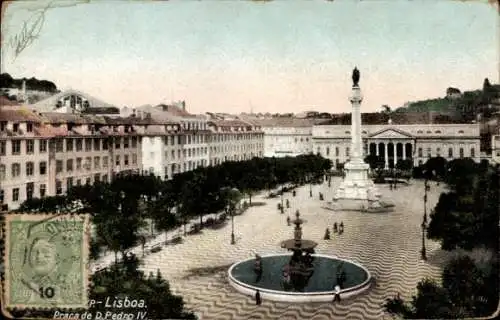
420 152
16 170
79 144
450 152
42 190
2 172
15 127
438 152
347 152
105 162
58 187
125 160
88 144
16 147
460 131
117 160
15 195
327 151
59 145
42 146
30 146
87 181
134 141
437 131
105 178
2 196
88 163
429 152
3 125
3 148
97 144
59 166
117 143
69 145
30 168
78 182
134 158
472 153
78 164
97 177
461 152
125 143
97 162
69 184
69 165
30 189
42 166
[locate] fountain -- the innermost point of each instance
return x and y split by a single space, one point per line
301 276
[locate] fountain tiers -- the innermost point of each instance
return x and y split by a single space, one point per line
302 268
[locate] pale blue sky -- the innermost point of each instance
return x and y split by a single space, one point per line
280 56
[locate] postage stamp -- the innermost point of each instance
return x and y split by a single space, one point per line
46 261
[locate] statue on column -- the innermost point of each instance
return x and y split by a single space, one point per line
355 77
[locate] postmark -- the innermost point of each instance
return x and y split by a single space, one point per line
46 261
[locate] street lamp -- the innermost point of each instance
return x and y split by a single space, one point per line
424 219
310 186
231 208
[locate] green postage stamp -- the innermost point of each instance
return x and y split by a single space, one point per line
46 261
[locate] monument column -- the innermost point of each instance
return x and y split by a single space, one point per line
356 143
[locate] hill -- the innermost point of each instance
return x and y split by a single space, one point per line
463 107
32 84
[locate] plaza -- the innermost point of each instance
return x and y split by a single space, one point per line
387 244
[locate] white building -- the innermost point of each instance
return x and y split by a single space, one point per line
400 141
234 140
286 136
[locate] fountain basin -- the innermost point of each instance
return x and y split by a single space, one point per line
320 287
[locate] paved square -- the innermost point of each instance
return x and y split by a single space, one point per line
387 244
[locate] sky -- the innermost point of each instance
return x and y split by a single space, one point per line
241 56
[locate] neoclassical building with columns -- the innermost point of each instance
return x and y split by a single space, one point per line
394 142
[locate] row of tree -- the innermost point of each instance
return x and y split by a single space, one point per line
6 81
120 208
465 217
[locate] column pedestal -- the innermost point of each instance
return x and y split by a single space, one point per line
356 192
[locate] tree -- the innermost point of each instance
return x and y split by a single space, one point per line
463 281
460 173
404 164
125 280
436 166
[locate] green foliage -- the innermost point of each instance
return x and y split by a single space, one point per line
467 218
125 280
375 162
6 81
436 167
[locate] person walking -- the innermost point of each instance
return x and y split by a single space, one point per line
258 299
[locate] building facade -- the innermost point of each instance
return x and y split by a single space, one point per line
417 142
234 140
286 136
45 154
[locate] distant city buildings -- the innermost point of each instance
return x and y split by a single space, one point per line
72 138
